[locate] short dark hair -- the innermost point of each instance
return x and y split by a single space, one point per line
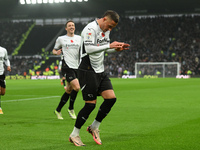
112 15
68 22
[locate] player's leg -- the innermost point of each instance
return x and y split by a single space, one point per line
71 77
81 119
109 100
73 96
75 85
87 86
71 111
2 89
63 101
1 111
64 83
2 92
64 97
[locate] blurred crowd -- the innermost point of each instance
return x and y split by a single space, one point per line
157 39
11 33
152 39
23 65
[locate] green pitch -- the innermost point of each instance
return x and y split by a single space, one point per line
150 114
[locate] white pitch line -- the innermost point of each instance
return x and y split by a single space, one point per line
28 99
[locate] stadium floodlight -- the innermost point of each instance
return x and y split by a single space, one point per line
45 1
22 2
51 1
39 1
28 1
33 1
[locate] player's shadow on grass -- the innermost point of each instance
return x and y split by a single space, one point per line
120 137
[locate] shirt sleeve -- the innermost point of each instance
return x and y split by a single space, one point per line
7 61
89 42
57 44
111 50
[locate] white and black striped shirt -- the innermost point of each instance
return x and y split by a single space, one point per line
94 43
3 59
70 48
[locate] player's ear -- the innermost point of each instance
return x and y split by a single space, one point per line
104 19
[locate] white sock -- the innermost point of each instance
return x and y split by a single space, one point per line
75 132
95 124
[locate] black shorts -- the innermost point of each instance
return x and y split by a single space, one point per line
2 81
69 73
93 84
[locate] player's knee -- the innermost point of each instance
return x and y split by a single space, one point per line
77 88
69 89
3 94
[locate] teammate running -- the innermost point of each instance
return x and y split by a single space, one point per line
3 59
68 45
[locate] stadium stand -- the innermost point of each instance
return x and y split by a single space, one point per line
11 33
49 62
39 38
152 39
158 39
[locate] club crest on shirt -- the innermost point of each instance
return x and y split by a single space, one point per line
88 36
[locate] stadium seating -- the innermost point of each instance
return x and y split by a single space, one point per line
152 39
39 38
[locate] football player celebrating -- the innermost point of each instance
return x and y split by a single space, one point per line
93 80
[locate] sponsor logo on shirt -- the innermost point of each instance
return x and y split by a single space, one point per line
106 40
72 46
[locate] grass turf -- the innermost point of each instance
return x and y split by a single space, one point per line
150 114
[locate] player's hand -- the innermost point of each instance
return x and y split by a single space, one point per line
123 46
8 68
59 52
115 45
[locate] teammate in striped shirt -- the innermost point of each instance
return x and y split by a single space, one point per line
68 45
3 59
